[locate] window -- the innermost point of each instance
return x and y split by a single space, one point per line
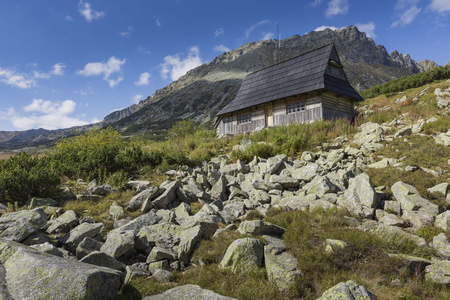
335 72
296 107
245 118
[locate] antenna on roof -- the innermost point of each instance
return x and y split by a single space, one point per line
279 42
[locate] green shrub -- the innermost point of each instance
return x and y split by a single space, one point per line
24 176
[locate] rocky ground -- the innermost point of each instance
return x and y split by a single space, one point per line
69 256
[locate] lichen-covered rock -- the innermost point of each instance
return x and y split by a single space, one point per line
37 202
320 186
190 237
188 291
86 246
135 225
286 181
391 233
281 268
165 235
158 265
147 195
159 253
103 260
438 272
17 226
360 197
34 275
332 245
306 173
63 223
76 235
443 220
297 202
243 255
257 227
119 243
441 244
347 291
168 196
48 248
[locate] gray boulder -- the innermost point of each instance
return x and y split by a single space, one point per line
86 246
37 202
443 220
257 227
441 245
159 253
103 260
286 181
320 186
281 268
48 248
135 225
63 223
438 272
189 238
360 197
149 194
65 279
17 226
119 243
188 291
168 196
347 291
306 173
243 255
76 235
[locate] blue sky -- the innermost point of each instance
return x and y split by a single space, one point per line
69 62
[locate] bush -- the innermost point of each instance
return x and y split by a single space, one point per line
24 176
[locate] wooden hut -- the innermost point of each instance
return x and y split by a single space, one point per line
305 88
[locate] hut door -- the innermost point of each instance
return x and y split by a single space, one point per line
269 117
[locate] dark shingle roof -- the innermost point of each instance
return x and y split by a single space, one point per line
301 74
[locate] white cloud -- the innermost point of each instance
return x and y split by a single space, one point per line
221 48
337 7
44 114
368 28
11 77
126 32
408 12
137 98
323 27
268 36
88 13
68 18
176 67
440 6
143 79
58 69
158 23
219 32
315 3
249 30
113 65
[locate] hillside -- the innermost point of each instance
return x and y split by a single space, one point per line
203 91
326 210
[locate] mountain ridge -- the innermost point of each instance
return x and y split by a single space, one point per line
203 91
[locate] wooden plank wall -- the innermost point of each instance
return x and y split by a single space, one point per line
337 107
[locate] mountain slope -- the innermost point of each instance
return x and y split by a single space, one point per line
205 90
202 92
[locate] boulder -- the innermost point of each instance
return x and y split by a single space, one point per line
370 133
347 291
48 248
119 243
188 291
168 196
86 246
164 235
266 186
443 138
182 213
135 225
438 272
103 260
158 265
37 202
334 245
63 223
286 181
257 227
441 189
297 202
320 186
159 253
281 268
102 190
441 245
219 189
63 279
148 195
161 275
76 235
392 233
115 211
17 226
360 198
243 255
306 173
443 220
190 237
274 163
